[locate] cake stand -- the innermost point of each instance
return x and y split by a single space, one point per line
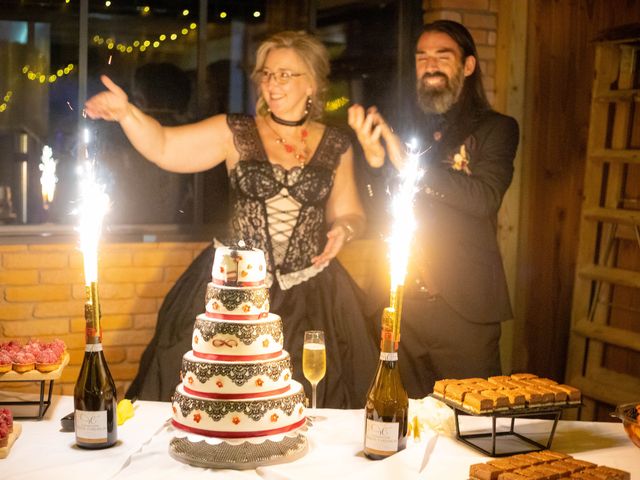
239 454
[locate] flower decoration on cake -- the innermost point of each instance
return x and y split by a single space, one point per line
246 308
265 343
219 384
259 382
215 306
274 417
195 339
197 417
236 420
286 377
244 273
190 379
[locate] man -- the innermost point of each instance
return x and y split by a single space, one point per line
456 292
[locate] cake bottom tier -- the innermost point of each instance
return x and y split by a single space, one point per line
239 418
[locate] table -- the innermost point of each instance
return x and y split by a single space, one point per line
335 450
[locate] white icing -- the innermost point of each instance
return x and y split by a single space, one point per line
237 381
231 265
238 421
267 343
244 309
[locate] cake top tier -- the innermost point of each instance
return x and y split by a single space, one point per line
241 266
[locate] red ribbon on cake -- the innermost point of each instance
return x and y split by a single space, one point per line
231 358
260 433
236 396
225 316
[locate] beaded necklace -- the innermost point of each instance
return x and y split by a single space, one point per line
301 157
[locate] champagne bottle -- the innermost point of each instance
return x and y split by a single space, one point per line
387 407
94 396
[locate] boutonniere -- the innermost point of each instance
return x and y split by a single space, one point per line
460 161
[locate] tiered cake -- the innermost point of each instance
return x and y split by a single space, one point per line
236 380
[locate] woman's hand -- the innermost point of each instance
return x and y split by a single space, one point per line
336 239
112 104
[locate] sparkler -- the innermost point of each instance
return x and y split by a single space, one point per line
403 227
93 205
48 178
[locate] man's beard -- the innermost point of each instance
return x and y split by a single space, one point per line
439 99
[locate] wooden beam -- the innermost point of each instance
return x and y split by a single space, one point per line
610 335
617 276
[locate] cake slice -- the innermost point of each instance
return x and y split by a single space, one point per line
574 394
440 386
531 397
609 473
456 393
515 397
523 376
477 403
500 401
484 471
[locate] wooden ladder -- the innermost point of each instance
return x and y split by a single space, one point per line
604 341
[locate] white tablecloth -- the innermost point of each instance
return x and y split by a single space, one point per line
43 451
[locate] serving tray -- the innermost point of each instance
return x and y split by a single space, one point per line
35 376
13 436
553 412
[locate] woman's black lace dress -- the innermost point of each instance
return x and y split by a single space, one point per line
283 213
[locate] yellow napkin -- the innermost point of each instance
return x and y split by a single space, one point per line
124 410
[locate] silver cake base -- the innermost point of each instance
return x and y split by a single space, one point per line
244 456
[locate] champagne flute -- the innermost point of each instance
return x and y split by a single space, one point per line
314 360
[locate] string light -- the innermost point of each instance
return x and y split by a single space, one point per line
44 77
185 12
223 14
256 14
5 100
142 45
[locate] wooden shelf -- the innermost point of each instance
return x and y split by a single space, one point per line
613 215
631 95
615 155
616 276
610 335
608 386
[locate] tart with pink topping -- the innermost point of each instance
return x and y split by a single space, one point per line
47 360
4 435
23 362
5 362
6 418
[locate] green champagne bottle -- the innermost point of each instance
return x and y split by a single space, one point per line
94 396
387 406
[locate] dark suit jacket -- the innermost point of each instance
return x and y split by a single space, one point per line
455 251
457 213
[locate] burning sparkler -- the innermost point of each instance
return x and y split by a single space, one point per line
404 225
48 179
93 205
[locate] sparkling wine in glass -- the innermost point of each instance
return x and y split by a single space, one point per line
314 360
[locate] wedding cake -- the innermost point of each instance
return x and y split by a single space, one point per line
236 381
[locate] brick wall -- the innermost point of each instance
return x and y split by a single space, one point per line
42 296
481 18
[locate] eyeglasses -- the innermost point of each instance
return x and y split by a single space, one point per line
282 77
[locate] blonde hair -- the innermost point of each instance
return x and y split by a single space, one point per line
315 57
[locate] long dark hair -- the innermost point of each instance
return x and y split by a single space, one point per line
472 94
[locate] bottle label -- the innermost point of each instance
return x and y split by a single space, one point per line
381 438
91 427
93 347
389 356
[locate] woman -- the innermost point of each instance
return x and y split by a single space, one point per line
293 196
